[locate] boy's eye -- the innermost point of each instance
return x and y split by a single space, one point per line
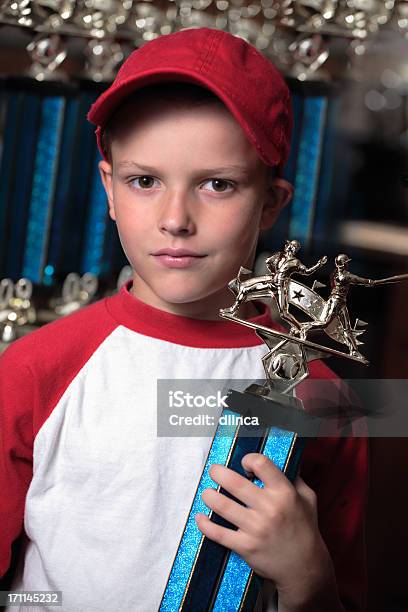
219 185
145 181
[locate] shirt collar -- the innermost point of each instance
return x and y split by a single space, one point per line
134 314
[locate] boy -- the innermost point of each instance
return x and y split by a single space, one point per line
194 132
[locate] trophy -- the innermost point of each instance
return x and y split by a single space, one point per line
205 575
77 291
16 308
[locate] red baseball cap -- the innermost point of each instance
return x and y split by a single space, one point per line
248 83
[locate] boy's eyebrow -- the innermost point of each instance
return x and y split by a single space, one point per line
132 164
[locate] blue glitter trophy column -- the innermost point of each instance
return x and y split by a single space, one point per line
205 575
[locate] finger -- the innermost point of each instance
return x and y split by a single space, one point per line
222 535
229 509
300 485
239 486
265 470
305 492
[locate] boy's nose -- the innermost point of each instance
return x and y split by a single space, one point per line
175 215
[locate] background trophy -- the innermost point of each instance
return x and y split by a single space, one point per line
205 575
16 307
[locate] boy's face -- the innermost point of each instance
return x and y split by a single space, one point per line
187 178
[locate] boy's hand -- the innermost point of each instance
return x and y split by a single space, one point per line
277 534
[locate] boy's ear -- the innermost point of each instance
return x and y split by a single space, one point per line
105 169
278 194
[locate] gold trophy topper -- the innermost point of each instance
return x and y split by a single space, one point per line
290 351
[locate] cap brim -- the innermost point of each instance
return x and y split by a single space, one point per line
105 105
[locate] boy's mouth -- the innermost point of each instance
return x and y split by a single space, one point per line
177 252
177 258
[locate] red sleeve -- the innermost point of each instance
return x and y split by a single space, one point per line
336 468
17 394
34 372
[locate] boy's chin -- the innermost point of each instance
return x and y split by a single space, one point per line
184 297
200 291
188 295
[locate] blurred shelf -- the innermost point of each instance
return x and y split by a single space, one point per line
380 237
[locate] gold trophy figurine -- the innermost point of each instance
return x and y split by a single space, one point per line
336 306
329 315
282 265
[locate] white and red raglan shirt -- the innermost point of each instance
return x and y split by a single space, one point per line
100 498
